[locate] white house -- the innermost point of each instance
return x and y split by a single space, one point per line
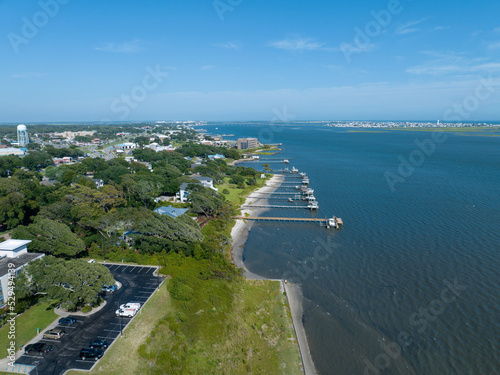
183 193
98 182
13 256
206 181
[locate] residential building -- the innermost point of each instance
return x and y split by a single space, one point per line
246 143
205 181
183 193
171 211
13 256
98 182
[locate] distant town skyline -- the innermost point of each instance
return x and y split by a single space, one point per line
69 61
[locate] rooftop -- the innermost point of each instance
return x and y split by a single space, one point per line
171 211
18 262
13 245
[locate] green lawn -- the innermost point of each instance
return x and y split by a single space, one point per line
237 196
38 316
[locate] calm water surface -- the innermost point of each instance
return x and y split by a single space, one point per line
410 284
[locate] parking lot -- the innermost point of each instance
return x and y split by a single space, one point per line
138 284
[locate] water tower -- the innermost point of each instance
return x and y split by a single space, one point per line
22 135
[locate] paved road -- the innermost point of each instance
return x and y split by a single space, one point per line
138 283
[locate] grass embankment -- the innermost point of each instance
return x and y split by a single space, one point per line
208 325
236 195
38 316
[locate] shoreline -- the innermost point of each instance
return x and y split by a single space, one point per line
239 235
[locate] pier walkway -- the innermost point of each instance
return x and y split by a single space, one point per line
321 222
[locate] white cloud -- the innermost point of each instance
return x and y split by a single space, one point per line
25 75
409 27
229 45
296 44
133 46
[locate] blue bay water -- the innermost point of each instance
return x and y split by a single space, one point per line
377 292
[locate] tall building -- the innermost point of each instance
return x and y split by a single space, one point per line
22 136
246 143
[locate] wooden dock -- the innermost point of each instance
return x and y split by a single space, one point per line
322 222
273 206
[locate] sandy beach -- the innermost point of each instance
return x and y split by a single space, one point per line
239 235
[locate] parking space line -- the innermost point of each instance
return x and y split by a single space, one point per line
32 356
88 362
51 340
110 330
66 326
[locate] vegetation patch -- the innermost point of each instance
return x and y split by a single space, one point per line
39 316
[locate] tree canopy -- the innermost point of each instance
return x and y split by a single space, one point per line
73 283
50 237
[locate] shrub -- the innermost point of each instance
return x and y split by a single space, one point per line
86 309
180 291
225 191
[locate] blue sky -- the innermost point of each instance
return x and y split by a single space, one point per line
75 60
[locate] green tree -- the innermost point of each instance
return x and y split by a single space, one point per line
179 229
50 237
37 160
73 282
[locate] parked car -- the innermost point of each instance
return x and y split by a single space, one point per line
90 353
109 288
131 305
91 261
99 344
55 334
126 312
39 348
67 321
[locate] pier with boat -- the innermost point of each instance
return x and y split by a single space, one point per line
294 191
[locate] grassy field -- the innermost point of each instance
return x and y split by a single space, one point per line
199 324
38 316
237 196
